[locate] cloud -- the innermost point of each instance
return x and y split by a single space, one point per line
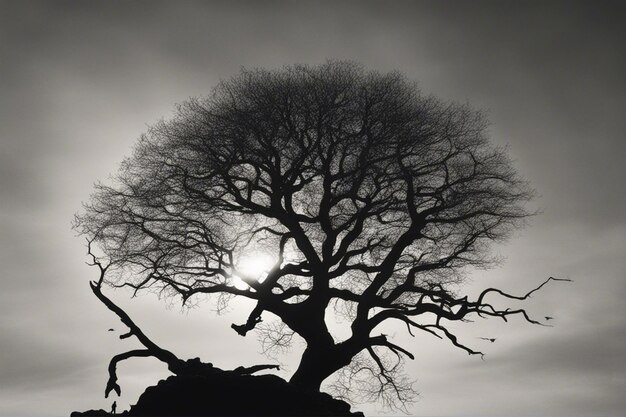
80 81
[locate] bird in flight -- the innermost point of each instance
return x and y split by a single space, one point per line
487 338
111 330
549 318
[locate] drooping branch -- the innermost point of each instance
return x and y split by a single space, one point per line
96 287
112 384
174 364
396 390
382 341
455 340
368 380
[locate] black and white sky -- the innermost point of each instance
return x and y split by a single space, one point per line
81 80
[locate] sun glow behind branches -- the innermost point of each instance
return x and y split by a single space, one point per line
253 265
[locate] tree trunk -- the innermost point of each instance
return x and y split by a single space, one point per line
314 368
318 363
322 357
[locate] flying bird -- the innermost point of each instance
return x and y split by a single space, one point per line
487 338
549 318
111 330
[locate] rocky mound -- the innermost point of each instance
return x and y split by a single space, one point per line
228 394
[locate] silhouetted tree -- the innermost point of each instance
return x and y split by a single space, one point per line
369 197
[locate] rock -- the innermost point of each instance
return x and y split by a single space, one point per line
90 413
226 393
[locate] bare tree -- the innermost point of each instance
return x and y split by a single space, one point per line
367 195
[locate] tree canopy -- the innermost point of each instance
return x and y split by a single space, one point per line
365 194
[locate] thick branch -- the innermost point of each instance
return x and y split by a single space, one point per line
164 355
248 370
112 384
174 364
253 319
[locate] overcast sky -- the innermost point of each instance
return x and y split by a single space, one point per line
80 81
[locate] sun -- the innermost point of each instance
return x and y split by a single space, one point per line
253 266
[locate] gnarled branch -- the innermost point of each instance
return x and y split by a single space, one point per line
112 384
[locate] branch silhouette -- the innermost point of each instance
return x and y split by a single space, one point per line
174 364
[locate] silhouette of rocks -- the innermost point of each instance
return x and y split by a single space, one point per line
227 393
90 413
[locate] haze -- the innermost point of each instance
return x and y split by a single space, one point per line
80 81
